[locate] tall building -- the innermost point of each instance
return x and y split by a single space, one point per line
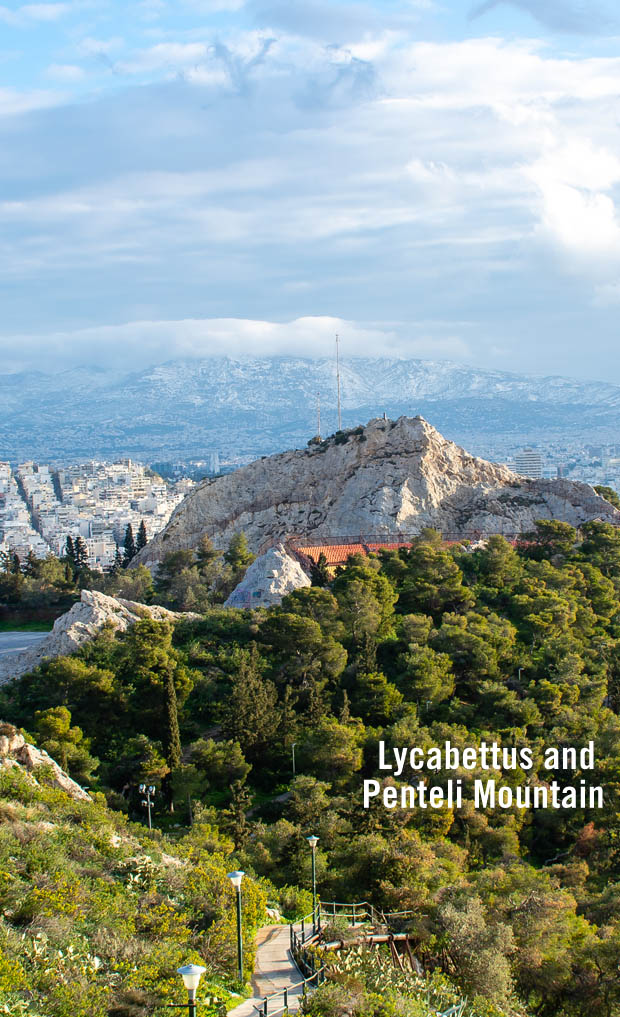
528 463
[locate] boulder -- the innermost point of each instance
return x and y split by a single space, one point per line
15 751
80 624
268 579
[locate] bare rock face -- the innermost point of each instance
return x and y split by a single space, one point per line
268 579
80 624
16 752
389 477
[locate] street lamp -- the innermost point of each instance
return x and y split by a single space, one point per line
235 878
148 803
293 750
313 841
191 975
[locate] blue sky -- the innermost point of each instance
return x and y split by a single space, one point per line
217 176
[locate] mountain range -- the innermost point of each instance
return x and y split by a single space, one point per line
184 408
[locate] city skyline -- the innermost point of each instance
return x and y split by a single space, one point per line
218 177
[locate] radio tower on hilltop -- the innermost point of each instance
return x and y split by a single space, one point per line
318 415
338 380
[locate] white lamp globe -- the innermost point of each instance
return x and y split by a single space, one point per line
191 975
312 841
235 878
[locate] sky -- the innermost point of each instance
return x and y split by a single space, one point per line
220 177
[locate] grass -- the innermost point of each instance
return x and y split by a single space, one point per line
6 625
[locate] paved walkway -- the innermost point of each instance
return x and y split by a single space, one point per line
274 970
15 642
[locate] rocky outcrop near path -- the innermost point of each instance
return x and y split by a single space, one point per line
16 752
268 579
386 478
80 624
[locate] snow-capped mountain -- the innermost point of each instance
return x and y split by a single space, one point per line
186 407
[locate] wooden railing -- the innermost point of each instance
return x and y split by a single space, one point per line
307 934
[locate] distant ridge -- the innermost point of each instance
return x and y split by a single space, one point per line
182 408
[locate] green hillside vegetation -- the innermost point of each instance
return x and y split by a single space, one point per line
519 645
97 914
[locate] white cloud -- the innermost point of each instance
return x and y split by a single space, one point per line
378 178
165 55
98 47
13 103
137 343
66 72
580 216
29 13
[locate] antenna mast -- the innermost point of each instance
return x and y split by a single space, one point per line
318 415
338 381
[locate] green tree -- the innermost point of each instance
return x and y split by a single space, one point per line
426 675
70 552
238 555
64 743
31 564
319 571
129 546
250 715
237 824
173 735
80 555
375 699
142 538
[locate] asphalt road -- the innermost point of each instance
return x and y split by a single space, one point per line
14 642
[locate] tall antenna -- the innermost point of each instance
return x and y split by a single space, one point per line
318 415
338 381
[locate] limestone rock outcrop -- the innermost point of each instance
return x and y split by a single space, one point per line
268 579
80 624
16 752
388 477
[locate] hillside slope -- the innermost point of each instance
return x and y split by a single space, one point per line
389 477
96 913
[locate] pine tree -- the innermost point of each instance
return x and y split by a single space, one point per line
316 708
142 539
237 824
319 572
250 715
129 546
238 555
81 555
70 552
16 566
345 712
117 563
173 747
288 717
30 568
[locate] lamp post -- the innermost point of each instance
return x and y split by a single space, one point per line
293 751
313 841
191 975
235 878
147 802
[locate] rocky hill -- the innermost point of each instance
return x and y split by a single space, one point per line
388 477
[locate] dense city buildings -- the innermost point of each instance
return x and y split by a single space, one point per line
40 507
